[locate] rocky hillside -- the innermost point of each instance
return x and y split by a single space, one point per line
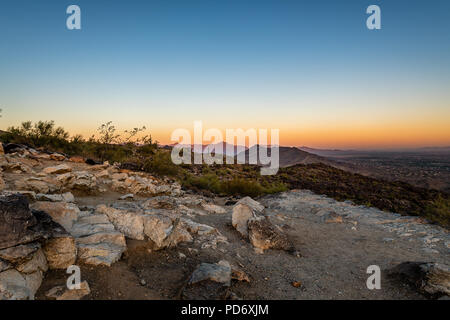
136 236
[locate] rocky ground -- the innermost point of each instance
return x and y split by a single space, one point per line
135 236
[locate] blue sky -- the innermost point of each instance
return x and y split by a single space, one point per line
310 68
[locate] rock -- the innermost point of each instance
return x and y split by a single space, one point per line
60 252
31 195
84 182
60 169
131 224
240 217
197 228
77 159
38 262
239 275
296 284
92 162
119 176
102 174
16 167
127 196
13 286
4 265
159 203
157 228
57 157
212 208
2 184
332 217
208 282
255 205
65 197
65 179
18 225
37 185
19 254
178 235
264 235
13 147
428 277
97 254
62 293
217 272
98 242
61 212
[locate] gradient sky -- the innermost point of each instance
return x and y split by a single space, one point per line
310 68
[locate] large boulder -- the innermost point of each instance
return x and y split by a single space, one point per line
242 213
255 205
97 240
24 271
165 232
18 225
264 235
130 223
157 228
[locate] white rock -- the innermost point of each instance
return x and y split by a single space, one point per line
131 224
242 213
255 205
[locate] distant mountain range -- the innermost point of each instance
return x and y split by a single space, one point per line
208 148
337 152
289 156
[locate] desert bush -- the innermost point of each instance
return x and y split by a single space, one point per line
439 211
161 164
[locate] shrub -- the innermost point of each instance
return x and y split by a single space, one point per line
161 164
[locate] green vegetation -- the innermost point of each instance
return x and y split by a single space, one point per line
108 146
138 152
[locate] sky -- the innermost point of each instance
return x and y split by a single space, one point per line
311 69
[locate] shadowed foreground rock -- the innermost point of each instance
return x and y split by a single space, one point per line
23 261
20 225
429 278
208 281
